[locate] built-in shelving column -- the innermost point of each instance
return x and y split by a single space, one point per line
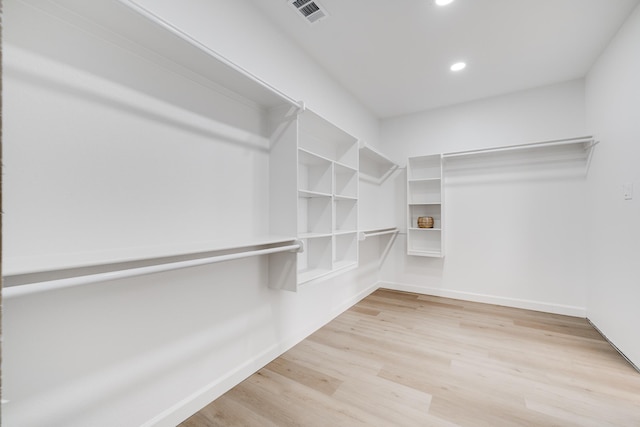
425 201
327 198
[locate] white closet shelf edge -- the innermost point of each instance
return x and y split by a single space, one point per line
586 141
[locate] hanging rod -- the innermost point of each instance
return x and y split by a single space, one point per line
543 144
364 234
32 288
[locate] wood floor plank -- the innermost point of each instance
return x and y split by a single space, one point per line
403 359
390 401
343 365
305 375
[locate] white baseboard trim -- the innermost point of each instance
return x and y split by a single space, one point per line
567 310
191 404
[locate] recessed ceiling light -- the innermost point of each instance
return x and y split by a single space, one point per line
443 2
458 66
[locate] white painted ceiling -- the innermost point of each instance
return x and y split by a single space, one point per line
394 55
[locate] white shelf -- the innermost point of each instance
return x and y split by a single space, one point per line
424 180
425 199
311 194
432 254
340 197
313 235
323 138
135 28
560 153
345 166
584 143
374 166
341 265
308 275
313 158
343 232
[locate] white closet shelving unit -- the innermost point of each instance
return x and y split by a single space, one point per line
425 199
425 180
327 198
249 112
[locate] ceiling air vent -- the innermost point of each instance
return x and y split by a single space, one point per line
310 10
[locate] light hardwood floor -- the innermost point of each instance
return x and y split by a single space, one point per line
401 359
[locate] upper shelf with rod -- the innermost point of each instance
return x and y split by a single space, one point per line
578 150
374 166
136 29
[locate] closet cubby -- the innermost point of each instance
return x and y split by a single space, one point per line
345 181
346 215
424 191
314 173
424 167
425 199
345 250
433 210
327 197
314 215
316 260
425 242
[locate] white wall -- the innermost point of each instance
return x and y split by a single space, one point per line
545 113
97 155
613 105
514 235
